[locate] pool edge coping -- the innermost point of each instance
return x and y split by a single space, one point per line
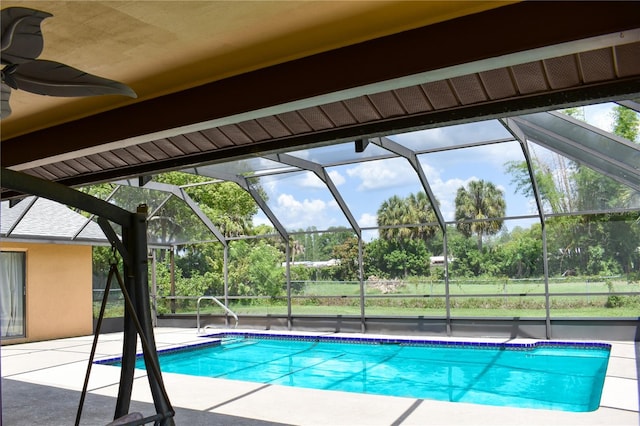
334 338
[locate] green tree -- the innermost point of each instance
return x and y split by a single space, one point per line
420 211
627 125
552 196
475 205
385 258
347 255
228 206
391 214
520 255
265 273
596 191
596 243
467 258
414 210
326 241
101 190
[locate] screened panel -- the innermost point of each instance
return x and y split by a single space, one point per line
406 306
497 306
608 155
452 136
340 154
130 197
595 305
101 191
244 167
585 246
450 171
262 224
315 252
513 251
301 200
229 207
568 187
266 306
255 270
327 298
383 184
175 223
561 126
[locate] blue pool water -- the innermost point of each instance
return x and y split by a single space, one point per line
549 375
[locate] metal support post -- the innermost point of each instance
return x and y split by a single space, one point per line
288 278
363 319
446 281
225 271
130 338
141 302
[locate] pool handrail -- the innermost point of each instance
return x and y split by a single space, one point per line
222 305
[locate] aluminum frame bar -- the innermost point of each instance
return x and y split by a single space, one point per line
134 240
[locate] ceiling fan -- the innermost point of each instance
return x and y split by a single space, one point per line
21 43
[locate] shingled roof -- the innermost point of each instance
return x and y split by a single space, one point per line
41 220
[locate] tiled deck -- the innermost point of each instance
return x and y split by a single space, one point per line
41 385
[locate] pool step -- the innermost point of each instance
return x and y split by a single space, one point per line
235 342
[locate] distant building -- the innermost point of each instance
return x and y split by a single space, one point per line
314 264
438 260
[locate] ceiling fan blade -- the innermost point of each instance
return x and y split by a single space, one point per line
21 38
56 79
5 93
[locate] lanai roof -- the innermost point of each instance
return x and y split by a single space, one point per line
480 149
246 83
327 72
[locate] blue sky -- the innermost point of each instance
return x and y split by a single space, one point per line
301 200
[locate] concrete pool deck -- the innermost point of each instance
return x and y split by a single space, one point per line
41 384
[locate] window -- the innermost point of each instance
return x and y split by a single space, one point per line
12 290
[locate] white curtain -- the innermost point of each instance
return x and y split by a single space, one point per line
12 293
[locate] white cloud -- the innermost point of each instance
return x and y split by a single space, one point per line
368 236
493 156
445 192
261 219
337 178
310 180
300 214
366 220
382 174
430 172
287 201
269 184
497 155
599 116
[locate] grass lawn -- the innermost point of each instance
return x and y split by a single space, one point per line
509 298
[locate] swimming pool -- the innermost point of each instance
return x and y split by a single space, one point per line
545 374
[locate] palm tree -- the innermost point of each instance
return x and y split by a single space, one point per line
392 213
412 210
421 211
479 201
